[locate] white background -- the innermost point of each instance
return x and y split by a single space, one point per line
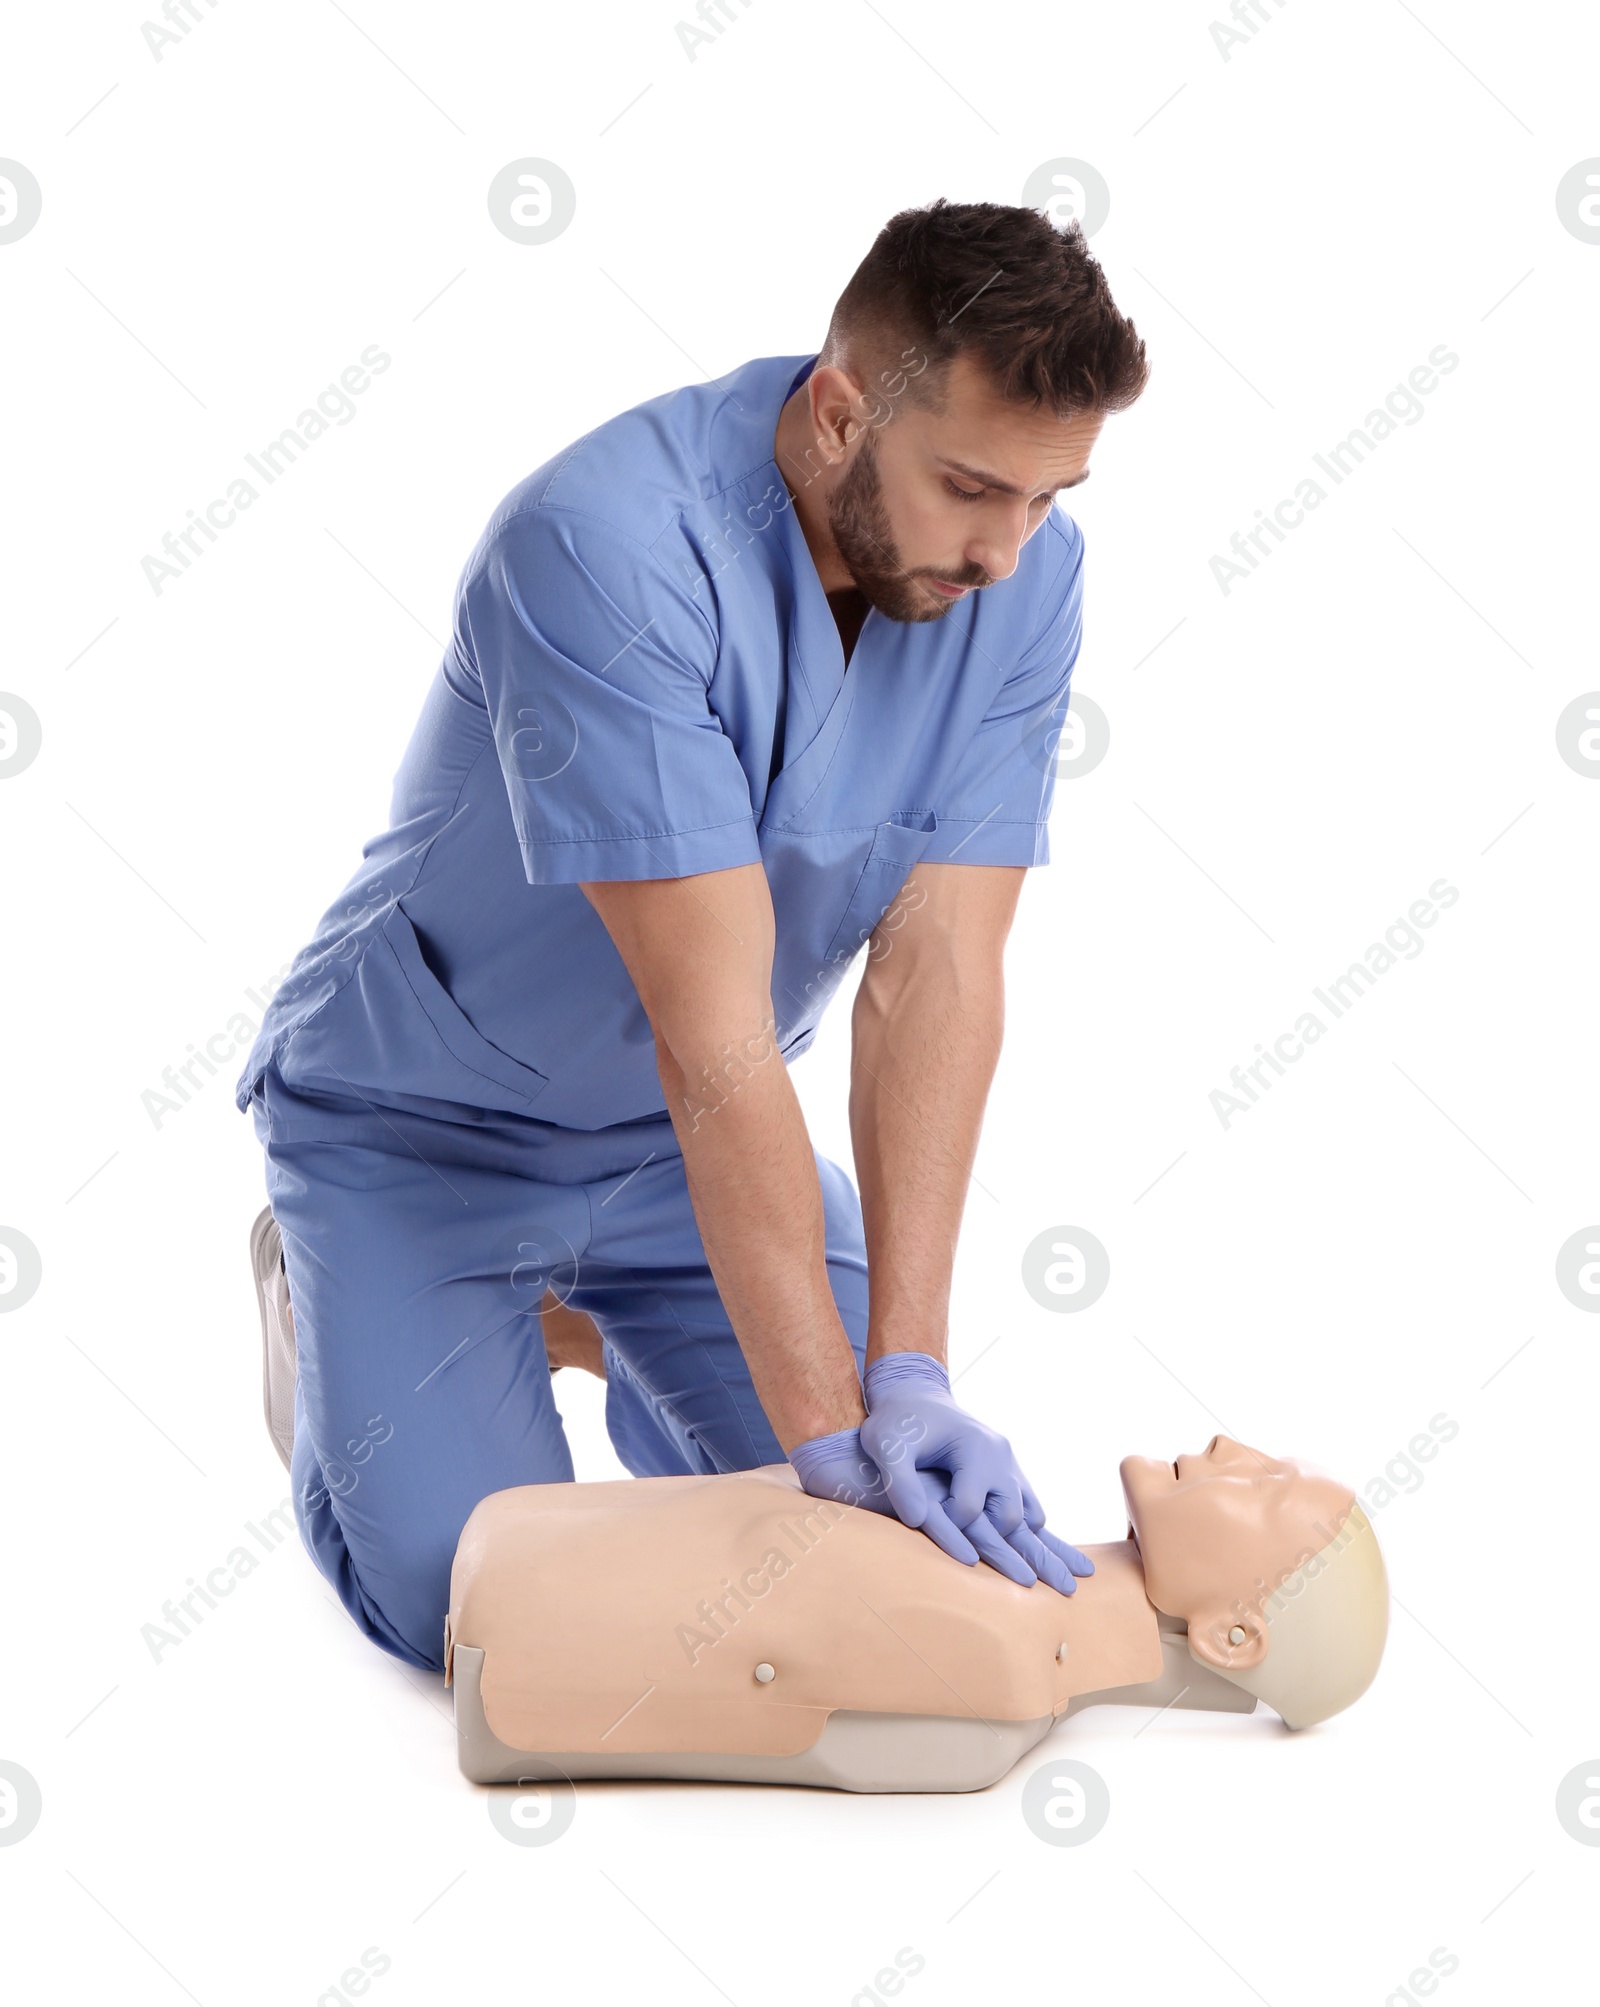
1291 764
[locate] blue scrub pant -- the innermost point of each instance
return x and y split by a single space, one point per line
419 1249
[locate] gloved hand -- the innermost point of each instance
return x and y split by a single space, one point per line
837 1467
914 1429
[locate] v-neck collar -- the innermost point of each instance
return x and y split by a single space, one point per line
820 682
816 651
859 603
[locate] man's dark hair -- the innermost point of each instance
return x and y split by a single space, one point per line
1005 286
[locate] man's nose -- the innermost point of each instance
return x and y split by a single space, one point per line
996 550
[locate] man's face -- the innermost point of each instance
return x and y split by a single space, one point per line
938 502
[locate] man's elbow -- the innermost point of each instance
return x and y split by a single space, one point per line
935 968
708 1057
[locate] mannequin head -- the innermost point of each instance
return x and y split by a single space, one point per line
1273 1567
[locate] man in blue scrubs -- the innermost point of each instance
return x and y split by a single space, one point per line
762 671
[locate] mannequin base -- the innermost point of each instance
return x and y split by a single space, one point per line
855 1751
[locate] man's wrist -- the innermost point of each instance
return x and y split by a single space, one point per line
893 1369
809 1423
934 1345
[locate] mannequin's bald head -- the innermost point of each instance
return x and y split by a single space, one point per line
1274 1568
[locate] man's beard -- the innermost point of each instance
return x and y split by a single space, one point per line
861 533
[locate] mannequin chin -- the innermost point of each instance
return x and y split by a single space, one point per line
731 1627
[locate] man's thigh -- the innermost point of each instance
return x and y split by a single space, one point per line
679 1398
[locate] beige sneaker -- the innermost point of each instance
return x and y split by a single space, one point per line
277 1332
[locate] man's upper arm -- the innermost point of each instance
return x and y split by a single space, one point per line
949 925
699 950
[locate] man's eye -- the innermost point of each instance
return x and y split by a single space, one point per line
963 494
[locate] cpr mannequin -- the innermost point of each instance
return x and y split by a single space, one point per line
732 1628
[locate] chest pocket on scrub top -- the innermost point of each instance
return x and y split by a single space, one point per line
896 847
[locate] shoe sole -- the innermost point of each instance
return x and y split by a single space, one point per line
278 1363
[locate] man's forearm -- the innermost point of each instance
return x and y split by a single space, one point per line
699 950
924 1051
752 1180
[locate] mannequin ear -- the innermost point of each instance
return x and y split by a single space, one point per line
1211 1639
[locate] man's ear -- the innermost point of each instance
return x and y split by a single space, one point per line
836 411
1212 1634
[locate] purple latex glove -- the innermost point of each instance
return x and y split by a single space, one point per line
837 1467
915 1429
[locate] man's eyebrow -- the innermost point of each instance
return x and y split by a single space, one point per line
1004 487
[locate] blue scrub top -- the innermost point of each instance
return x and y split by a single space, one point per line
645 680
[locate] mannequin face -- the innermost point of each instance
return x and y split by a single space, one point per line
1220 1532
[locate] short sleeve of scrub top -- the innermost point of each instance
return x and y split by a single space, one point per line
996 806
595 664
